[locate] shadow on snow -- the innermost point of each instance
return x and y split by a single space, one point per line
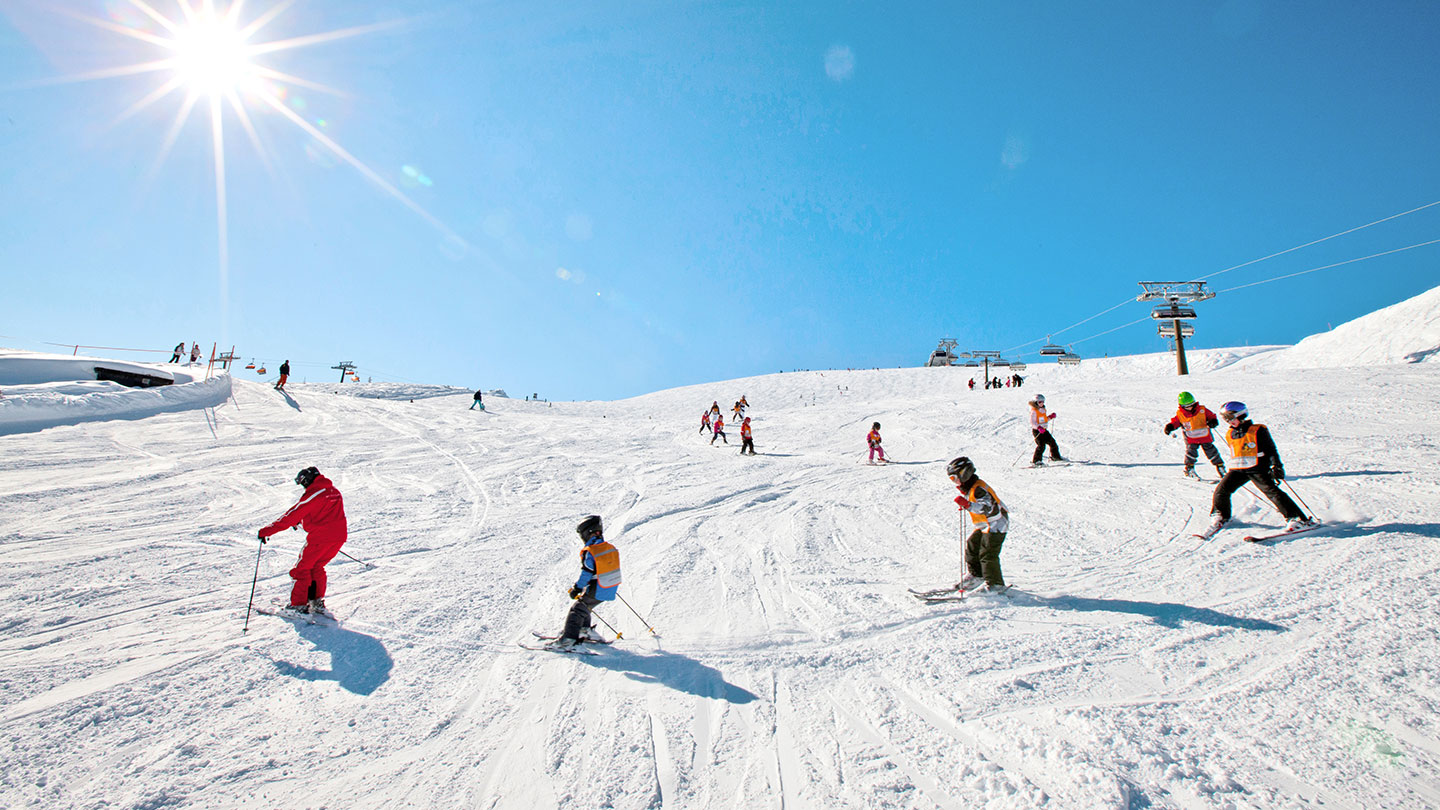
359 663
1166 614
673 670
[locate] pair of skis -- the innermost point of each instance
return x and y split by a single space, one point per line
1260 538
954 593
326 619
548 645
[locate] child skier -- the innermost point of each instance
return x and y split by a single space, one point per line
992 522
321 512
746 441
737 411
719 430
599 579
1040 429
704 421
1253 459
873 439
1197 420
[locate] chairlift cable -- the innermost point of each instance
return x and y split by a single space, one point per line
1328 266
1318 241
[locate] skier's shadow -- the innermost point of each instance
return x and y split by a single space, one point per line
1165 614
673 670
359 663
289 400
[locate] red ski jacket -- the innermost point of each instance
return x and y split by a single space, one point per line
320 511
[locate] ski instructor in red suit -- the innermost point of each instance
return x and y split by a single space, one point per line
321 512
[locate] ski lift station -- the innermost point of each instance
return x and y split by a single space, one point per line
943 356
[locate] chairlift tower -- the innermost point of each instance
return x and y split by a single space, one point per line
1177 295
346 367
989 359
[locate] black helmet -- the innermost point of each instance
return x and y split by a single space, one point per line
875 426
589 527
307 476
962 468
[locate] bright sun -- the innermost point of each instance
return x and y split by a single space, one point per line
211 55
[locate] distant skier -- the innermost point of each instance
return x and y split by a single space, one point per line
1040 429
179 350
1253 459
747 442
972 383
715 408
1196 420
704 421
284 375
598 581
738 411
321 512
992 522
744 402
195 353
873 439
719 430
479 399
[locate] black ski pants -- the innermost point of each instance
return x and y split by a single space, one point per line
719 434
577 621
982 555
1043 439
1193 450
1234 479
747 444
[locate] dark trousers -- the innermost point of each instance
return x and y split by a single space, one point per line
704 426
719 434
747 444
1234 479
1044 439
577 621
982 555
1193 450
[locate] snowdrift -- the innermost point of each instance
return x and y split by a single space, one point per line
1407 332
47 390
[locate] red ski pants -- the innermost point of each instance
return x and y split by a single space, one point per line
310 570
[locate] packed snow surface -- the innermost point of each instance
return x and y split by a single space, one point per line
1134 667
1407 332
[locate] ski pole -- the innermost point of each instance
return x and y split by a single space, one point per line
253 580
638 616
618 634
1298 498
357 559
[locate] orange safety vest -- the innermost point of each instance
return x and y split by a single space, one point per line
745 431
982 522
1038 418
874 438
1244 449
1194 424
607 563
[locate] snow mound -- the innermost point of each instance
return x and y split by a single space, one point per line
384 390
1407 332
49 390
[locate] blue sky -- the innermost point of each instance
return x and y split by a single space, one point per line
620 197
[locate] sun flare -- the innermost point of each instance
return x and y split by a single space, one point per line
211 56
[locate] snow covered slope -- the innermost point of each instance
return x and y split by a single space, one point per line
46 390
1137 667
1407 332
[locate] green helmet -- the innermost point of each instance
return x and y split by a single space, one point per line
1186 398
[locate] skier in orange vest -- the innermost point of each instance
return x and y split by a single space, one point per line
747 442
873 439
1196 420
599 580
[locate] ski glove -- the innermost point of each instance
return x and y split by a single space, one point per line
261 535
575 592
1169 429
1278 472
962 502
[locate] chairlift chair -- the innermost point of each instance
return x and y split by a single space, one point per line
1167 330
251 365
1172 312
1052 350
260 371
1069 359
1017 367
